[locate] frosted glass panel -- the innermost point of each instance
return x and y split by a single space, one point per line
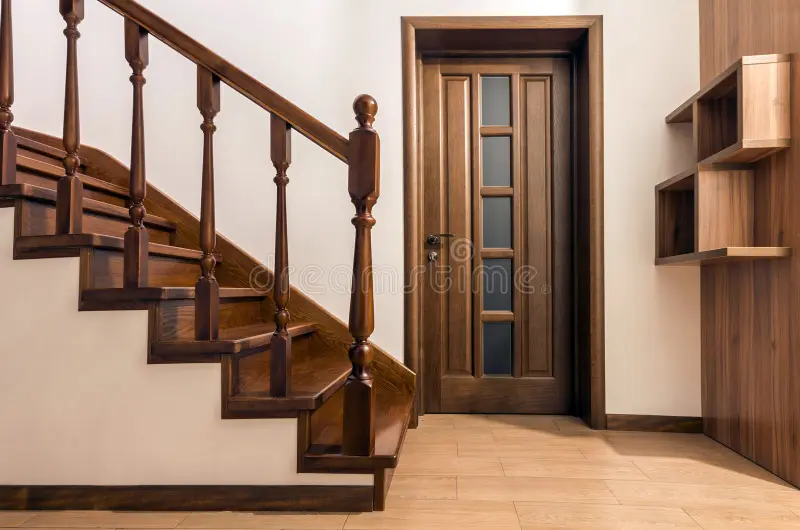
497 161
497 284
496 101
497 222
497 348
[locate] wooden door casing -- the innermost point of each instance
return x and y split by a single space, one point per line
541 194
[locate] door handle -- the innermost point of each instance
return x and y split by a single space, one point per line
435 239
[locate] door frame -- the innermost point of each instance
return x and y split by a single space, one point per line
580 37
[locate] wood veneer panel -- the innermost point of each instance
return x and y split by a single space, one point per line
724 209
751 312
457 219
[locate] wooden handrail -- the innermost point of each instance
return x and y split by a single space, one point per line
248 86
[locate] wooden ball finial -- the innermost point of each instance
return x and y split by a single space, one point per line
365 108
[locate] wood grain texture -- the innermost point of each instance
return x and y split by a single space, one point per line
637 422
281 346
586 44
724 209
588 231
70 188
207 300
136 237
457 219
246 315
750 322
186 498
363 185
238 267
454 193
726 254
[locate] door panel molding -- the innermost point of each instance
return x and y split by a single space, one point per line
585 46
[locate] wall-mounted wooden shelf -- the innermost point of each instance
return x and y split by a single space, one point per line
744 114
727 254
705 215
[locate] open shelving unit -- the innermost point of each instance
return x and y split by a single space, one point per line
705 215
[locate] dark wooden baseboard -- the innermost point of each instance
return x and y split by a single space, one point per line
188 498
634 422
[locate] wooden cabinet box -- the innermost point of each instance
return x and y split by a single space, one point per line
706 215
744 114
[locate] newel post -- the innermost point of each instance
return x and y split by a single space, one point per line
69 205
136 238
8 141
364 186
281 345
206 317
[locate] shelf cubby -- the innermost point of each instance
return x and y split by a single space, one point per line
705 215
743 115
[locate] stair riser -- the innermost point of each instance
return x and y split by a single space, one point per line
106 268
49 182
176 318
39 219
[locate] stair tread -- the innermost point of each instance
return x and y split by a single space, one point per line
31 191
393 410
231 340
102 241
33 145
38 166
164 293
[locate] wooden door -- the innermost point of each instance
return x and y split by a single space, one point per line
497 194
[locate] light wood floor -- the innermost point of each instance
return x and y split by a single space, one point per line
530 472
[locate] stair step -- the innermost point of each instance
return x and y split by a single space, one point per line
70 245
57 172
317 374
392 416
231 341
154 294
29 191
42 149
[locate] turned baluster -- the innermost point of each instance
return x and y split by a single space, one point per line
206 322
136 238
281 345
8 141
69 206
364 186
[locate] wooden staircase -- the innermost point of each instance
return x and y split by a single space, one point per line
282 355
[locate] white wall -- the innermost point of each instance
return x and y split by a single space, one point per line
321 54
79 406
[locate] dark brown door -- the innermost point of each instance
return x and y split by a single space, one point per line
496 306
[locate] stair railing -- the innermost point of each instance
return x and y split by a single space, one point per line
360 152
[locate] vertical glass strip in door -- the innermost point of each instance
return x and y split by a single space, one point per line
498 348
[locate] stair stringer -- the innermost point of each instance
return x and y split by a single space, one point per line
79 405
